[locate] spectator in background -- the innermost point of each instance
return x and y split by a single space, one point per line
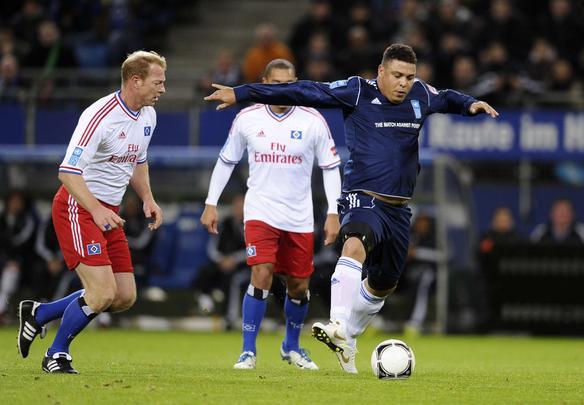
359 54
48 50
505 24
562 227
542 56
318 48
464 74
25 23
140 237
50 280
421 267
10 83
425 71
17 231
501 231
226 252
225 70
319 69
266 48
562 27
318 19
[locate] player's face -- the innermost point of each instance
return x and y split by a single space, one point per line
278 76
395 79
153 85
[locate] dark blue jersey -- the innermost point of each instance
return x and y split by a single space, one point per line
382 137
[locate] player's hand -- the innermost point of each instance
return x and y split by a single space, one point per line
481 106
331 229
106 219
153 212
209 218
224 94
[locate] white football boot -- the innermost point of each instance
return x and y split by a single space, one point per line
299 358
333 335
246 361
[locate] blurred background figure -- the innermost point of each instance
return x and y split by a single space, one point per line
421 269
220 282
226 71
17 233
266 48
562 227
140 237
501 231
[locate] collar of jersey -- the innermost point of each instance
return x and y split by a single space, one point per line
280 117
126 109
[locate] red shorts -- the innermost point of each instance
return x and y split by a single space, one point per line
291 252
82 241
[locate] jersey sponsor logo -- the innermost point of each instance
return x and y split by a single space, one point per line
122 135
295 134
391 124
147 130
93 249
376 101
74 159
250 251
417 109
338 83
128 158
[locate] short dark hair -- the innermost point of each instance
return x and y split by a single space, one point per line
279 64
402 52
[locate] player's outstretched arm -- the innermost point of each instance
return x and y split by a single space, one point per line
223 94
481 106
209 218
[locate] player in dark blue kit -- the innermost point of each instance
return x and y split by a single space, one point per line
383 118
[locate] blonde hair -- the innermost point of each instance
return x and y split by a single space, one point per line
138 63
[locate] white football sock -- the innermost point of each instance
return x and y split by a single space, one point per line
345 283
365 307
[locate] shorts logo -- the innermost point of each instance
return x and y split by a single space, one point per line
251 251
248 327
334 151
93 249
147 131
77 152
334 281
295 134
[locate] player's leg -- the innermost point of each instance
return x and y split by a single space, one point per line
384 267
294 260
100 291
119 254
262 244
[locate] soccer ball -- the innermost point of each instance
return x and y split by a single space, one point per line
392 359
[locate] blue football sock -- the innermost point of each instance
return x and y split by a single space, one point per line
295 310
253 310
75 319
46 312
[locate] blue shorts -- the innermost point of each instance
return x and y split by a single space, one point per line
390 232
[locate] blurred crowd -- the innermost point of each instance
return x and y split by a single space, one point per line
53 34
512 53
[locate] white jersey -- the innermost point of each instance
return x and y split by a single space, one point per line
108 142
281 152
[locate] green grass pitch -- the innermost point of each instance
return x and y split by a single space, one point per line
136 367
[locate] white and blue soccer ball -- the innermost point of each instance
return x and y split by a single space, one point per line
392 359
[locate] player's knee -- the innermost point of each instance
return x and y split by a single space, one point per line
123 302
381 283
101 299
261 275
298 289
353 247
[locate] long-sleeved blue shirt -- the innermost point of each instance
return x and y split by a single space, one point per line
382 137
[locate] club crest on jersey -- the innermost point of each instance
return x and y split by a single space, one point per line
77 152
295 134
251 251
416 107
93 249
147 131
